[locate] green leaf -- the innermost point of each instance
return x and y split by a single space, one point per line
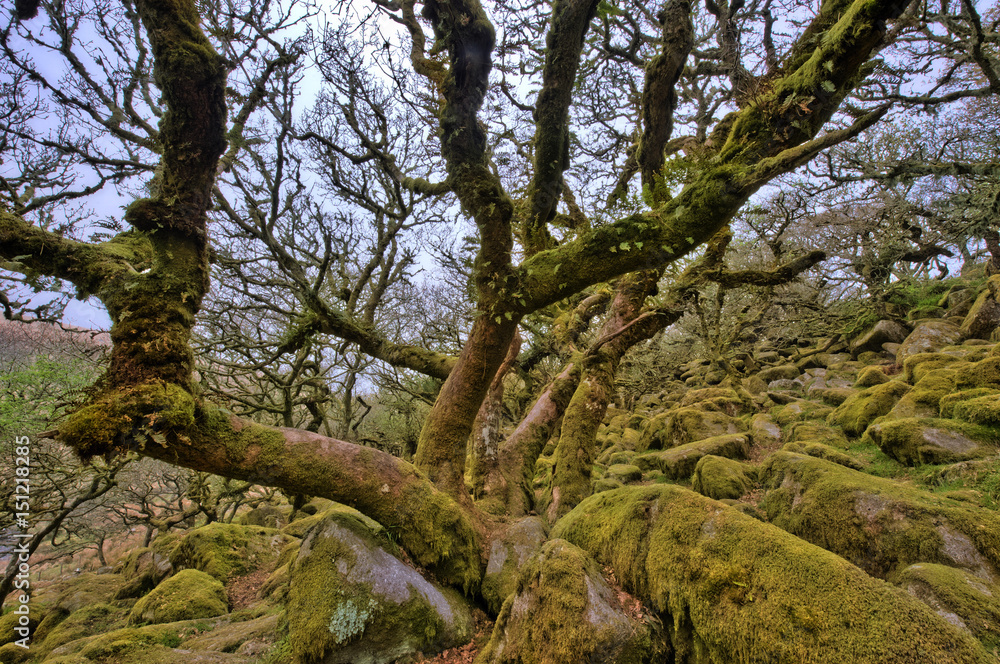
498 319
638 245
508 315
689 239
828 86
624 246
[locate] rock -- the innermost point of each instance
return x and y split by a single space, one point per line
719 399
821 451
141 570
764 432
915 440
266 515
679 462
684 425
800 410
833 396
624 473
564 611
984 316
733 589
985 373
718 477
226 550
186 595
817 432
871 376
879 525
231 637
923 399
928 337
353 602
917 366
787 371
860 410
508 555
962 599
84 622
883 331
785 384
950 401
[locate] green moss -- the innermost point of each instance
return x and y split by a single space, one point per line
917 366
983 410
719 478
733 589
687 424
817 432
860 410
187 595
349 597
143 414
679 462
226 550
821 451
985 373
949 401
563 611
871 376
929 440
90 620
878 524
800 410
959 597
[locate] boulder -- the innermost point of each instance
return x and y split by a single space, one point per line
817 432
679 462
924 399
730 588
917 440
821 451
186 595
764 431
959 597
141 570
226 550
351 601
564 611
718 477
871 376
860 410
879 525
508 555
984 316
928 337
882 332
684 425
786 371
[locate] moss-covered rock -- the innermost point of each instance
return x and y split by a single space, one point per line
855 414
624 472
962 599
917 440
985 373
917 366
353 602
984 316
821 451
187 595
230 637
927 337
884 331
764 431
718 477
564 612
89 620
508 555
141 570
784 371
226 550
924 399
800 410
722 399
879 525
733 589
679 462
11 653
948 402
983 410
817 432
871 376
685 425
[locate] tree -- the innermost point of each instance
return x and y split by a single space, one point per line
536 244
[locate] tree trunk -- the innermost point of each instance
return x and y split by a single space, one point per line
486 430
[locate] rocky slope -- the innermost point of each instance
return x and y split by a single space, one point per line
840 504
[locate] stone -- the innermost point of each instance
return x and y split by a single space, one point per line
720 478
679 462
928 337
984 316
882 332
508 555
187 595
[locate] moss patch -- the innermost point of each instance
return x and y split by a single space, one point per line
879 525
719 477
917 440
187 595
860 410
733 589
679 462
225 550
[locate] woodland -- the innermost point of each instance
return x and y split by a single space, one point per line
584 330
